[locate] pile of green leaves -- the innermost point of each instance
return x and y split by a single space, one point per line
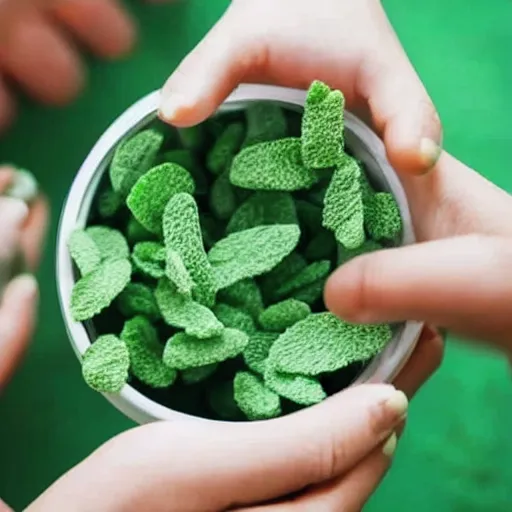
203 263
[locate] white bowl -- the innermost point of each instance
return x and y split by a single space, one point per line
362 142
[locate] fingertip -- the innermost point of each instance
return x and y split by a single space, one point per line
209 73
341 295
177 110
414 146
415 160
21 289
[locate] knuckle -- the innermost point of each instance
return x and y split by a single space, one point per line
332 454
378 420
431 119
435 353
365 287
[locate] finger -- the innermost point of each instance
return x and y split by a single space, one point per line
17 313
439 202
463 284
9 6
327 440
425 360
209 73
13 214
34 232
6 175
102 25
4 507
351 491
411 126
40 59
7 106
236 464
347 493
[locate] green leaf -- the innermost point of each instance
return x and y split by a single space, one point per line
97 290
146 352
322 126
256 401
105 364
84 251
183 351
323 343
251 252
275 165
182 311
182 233
150 195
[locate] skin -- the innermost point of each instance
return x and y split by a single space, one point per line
458 279
334 459
327 457
41 42
299 42
22 229
331 456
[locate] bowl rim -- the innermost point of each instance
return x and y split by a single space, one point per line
141 409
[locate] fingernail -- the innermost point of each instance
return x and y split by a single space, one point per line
397 404
24 286
24 186
389 447
170 106
14 211
430 152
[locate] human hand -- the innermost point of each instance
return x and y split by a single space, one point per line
459 279
22 231
292 43
330 457
348 44
38 50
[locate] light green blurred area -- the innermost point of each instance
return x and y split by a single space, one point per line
456 454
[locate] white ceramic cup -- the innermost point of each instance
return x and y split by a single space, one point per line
359 138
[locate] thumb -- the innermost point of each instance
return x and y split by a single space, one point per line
219 466
17 311
272 459
463 284
400 106
204 79
275 458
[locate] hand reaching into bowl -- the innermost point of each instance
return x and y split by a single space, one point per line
40 46
348 44
459 279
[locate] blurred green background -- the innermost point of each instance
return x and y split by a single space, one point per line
456 454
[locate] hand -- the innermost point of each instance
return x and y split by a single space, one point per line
348 44
330 457
22 229
38 50
460 279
